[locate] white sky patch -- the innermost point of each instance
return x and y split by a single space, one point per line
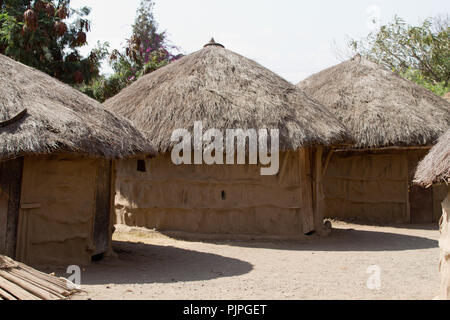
290 37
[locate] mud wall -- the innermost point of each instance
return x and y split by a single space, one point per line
57 210
374 186
440 192
367 186
224 199
444 244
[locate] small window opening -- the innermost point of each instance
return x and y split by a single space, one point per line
224 195
141 166
311 233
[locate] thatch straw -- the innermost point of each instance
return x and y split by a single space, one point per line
436 165
225 91
40 115
380 108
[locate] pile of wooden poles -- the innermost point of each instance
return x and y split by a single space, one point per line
20 282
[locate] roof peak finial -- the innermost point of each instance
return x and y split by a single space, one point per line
357 57
212 42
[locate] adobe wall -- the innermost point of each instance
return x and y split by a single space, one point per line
371 187
217 199
57 210
374 186
444 244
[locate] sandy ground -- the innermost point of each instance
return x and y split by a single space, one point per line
152 266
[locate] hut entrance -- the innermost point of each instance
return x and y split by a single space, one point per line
10 188
421 204
103 209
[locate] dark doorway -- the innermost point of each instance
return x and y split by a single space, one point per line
10 190
103 207
421 204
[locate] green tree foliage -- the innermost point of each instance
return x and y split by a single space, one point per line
146 51
47 35
418 53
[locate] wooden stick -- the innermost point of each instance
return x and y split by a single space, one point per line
44 276
4 295
385 149
38 292
318 192
16 118
47 286
16 290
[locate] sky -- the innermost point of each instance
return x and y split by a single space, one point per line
290 37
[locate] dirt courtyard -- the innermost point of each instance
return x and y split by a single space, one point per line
152 266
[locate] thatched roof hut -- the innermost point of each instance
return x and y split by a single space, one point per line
55 151
380 108
435 168
394 123
40 115
224 90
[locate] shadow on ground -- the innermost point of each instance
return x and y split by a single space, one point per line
139 262
144 263
337 240
410 226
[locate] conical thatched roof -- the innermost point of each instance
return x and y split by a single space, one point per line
40 115
225 91
436 165
380 108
